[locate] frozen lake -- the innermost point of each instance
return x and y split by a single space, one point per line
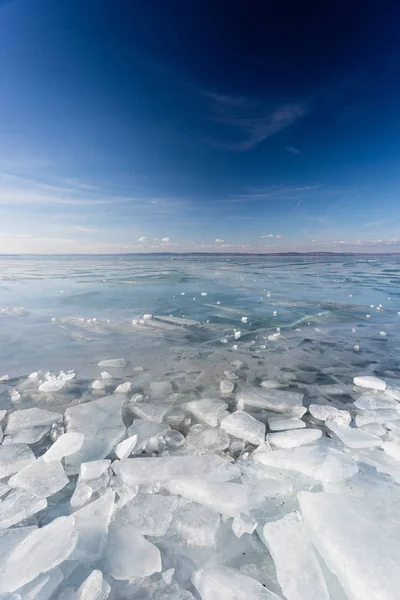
214 355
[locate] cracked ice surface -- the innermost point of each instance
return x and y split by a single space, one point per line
263 467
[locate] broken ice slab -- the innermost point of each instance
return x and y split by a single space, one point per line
91 526
43 479
377 416
160 390
54 383
125 448
293 438
13 458
229 499
93 588
226 386
375 401
115 363
374 429
392 449
100 421
297 567
146 431
81 495
39 552
243 523
66 444
19 420
30 435
19 505
207 410
369 381
284 423
358 538
353 438
323 412
150 412
43 587
10 539
129 554
93 469
123 388
280 401
318 462
136 471
242 425
149 514
202 439
174 439
222 582
196 525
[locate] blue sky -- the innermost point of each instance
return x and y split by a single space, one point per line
196 126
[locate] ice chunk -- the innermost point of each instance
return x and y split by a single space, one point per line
43 586
150 412
106 377
371 401
323 412
358 538
208 410
202 439
43 479
116 363
101 423
38 553
226 387
243 523
30 417
14 457
54 383
318 462
392 449
174 439
244 426
136 471
297 567
93 588
149 514
125 448
284 423
229 499
4 378
368 381
19 505
65 445
93 469
91 525
81 495
97 384
129 554
30 435
374 429
123 388
293 438
2 414
160 390
222 583
197 525
271 399
353 438
146 431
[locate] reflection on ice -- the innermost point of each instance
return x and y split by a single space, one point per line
141 458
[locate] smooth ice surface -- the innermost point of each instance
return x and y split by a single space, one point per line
368 381
19 505
93 469
42 479
14 457
196 525
43 586
93 588
100 421
42 550
243 523
352 437
222 582
125 448
129 554
146 431
149 514
66 444
318 462
371 401
324 412
30 417
242 425
297 566
228 499
283 423
208 410
134 471
271 399
203 439
115 363
293 438
358 537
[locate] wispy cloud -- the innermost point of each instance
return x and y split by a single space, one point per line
166 240
292 149
142 239
219 241
276 192
251 121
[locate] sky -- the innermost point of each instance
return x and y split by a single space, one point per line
204 126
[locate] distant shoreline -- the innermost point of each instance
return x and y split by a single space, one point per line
215 254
